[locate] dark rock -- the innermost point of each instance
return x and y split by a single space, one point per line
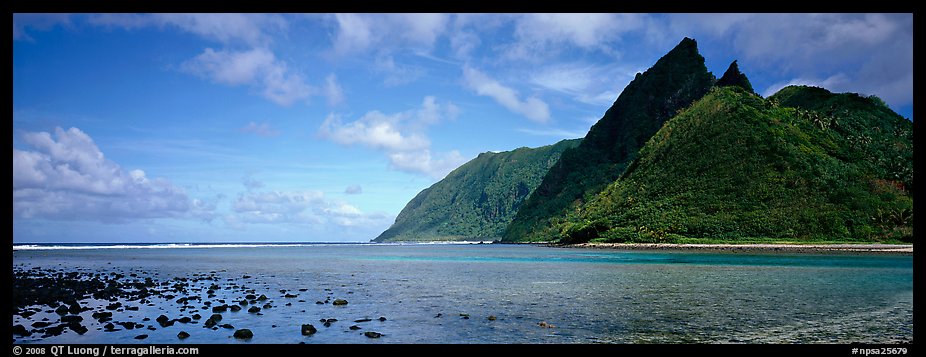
197 316
228 326
220 308
114 306
110 327
162 319
303 290
167 323
363 320
354 327
182 335
492 318
216 317
327 324
41 324
209 323
102 315
308 329
290 296
243 302
62 310
141 337
21 330
74 308
319 303
267 306
262 297
254 309
71 318
250 297
146 319
339 302
235 308
372 334
246 277
184 320
438 315
77 327
382 318
131 308
243 334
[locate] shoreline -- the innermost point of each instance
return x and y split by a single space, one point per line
900 249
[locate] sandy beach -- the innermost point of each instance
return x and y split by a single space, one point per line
905 249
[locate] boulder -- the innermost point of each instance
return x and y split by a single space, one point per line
244 334
308 329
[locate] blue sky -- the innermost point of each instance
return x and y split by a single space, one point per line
321 127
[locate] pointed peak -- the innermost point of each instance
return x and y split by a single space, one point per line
733 77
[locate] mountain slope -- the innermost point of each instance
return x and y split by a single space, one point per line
675 81
477 200
805 164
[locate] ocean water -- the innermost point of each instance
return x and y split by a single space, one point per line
535 294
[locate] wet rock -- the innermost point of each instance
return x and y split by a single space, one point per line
74 308
77 327
254 309
220 308
354 327
235 308
491 318
319 303
545 324
197 316
308 329
290 296
110 327
267 306
372 334
62 310
162 319
216 317
71 318
114 306
262 297
243 302
141 337
382 318
184 320
303 290
339 302
41 324
21 330
131 308
250 297
246 277
363 320
183 335
102 315
228 326
244 334
209 323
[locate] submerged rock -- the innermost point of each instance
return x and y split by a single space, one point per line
254 309
354 327
244 334
372 334
308 329
141 337
183 335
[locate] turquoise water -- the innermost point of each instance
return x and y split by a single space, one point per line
588 296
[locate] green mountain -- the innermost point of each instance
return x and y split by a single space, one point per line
733 77
805 164
477 200
674 82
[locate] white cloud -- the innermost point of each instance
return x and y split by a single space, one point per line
401 135
375 130
262 129
296 207
257 67
544 35
251 29
333 92
533 108
395 74
384 32
41 22
68 178
353 190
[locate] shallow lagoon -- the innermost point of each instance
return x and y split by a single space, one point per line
536 294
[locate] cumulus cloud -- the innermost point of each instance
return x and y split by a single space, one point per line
353 190
298 207
400 135
67 177
257 68
532 107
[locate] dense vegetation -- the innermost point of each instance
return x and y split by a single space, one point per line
477 200
806 164
675 81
